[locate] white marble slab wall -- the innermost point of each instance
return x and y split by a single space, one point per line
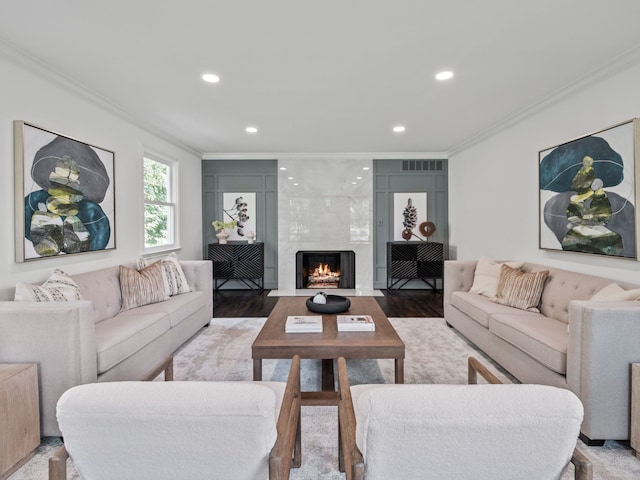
325 204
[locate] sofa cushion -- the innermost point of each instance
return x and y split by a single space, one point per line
59 287
487 276
142 287
120 337
520 290
478 307
177 308
542 338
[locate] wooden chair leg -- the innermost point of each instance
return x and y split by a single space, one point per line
58 464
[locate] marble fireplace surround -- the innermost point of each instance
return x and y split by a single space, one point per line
325 204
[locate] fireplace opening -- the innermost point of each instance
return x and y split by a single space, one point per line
325 269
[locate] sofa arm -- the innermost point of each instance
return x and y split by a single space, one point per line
60 338
458 276
603 342
199 274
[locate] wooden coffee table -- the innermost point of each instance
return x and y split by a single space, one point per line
273 343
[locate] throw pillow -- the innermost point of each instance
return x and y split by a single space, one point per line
142 287
176 280
60 287
487 276
614 292
520 290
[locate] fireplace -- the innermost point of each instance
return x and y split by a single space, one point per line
325 269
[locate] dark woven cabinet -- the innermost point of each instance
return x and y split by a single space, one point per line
237 260
408 261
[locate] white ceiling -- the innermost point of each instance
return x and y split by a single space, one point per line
324 76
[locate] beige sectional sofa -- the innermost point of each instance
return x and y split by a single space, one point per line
78 342
573 342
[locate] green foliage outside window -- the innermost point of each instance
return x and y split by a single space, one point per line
157 177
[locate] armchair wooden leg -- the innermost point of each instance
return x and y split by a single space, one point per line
583 466
58 464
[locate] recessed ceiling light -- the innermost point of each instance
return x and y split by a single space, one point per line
358 178
446 75
365 168
289 178
211 78
354 183
251 130
296 184
398 129
283 168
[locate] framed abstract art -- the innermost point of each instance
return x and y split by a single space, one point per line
588 193
64 195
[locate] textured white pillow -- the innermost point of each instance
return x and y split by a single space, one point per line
58 288
614 292
175 279
487 276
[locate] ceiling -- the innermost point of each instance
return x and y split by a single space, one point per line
324 76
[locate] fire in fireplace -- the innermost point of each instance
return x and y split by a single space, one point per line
323 277
325 269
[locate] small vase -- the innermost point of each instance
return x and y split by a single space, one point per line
222 237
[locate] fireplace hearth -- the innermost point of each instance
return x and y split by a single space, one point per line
325 269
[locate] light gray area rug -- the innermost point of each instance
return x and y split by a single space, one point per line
434 354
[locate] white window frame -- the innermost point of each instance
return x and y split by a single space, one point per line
173 194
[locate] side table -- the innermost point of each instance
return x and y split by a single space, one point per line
19 416
635 408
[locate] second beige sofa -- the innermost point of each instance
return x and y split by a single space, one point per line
585 346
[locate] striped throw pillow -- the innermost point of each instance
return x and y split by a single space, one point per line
142 287
520 290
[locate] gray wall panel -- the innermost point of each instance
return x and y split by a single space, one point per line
259 176
396 176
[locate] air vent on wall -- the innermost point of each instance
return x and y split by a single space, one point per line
422 165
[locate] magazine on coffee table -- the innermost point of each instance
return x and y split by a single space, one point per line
355 323
303 324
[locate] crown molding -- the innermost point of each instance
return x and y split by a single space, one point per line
626 59
29 62
328 156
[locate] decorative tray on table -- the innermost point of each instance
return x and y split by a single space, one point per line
334 304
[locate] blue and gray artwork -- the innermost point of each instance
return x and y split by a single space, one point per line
65 215
584 216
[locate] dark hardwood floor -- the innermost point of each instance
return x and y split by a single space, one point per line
399 303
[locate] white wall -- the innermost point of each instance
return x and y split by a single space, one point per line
493 186
33 96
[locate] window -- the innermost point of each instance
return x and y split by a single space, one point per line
160 210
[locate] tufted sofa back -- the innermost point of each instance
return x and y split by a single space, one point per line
102 287
563 286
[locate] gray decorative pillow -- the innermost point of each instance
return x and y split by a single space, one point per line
142 287
60 287
520 290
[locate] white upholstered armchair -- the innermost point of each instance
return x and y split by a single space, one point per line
480 432
171 430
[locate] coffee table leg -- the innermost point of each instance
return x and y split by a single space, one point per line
257 369
328 382
399 370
